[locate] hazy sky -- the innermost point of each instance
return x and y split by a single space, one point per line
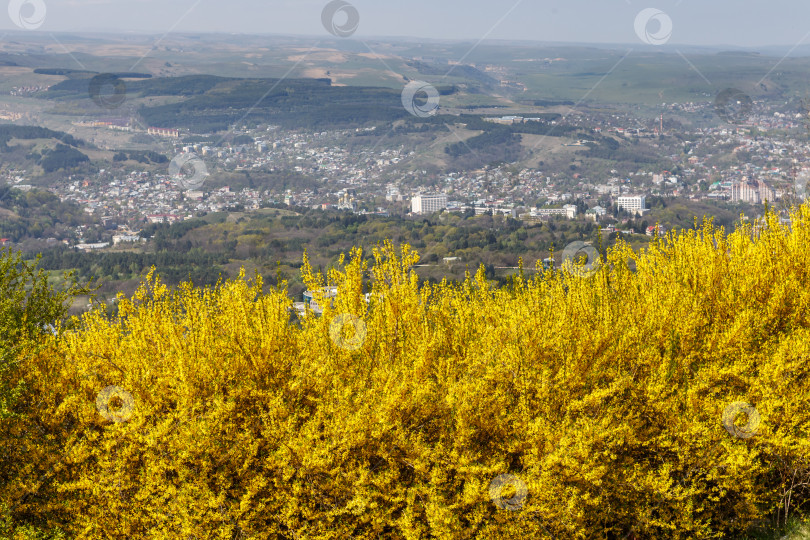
747 23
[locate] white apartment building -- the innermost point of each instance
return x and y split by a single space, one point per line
118 238
634 204
568 210
744 192
753 192
424 203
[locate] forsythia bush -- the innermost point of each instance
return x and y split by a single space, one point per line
663 394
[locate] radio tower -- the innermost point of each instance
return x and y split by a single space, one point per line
661 128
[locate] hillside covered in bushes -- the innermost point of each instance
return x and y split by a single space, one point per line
655 394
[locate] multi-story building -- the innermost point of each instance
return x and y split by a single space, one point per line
568 210
744 192
118 238
496 210
163 218
164 132
633 204
753 192
424 203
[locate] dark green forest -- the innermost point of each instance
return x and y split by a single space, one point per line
215 103
13 131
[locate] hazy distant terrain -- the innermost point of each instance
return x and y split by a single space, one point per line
205 83
494 74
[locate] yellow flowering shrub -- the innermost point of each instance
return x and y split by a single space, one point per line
660 394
